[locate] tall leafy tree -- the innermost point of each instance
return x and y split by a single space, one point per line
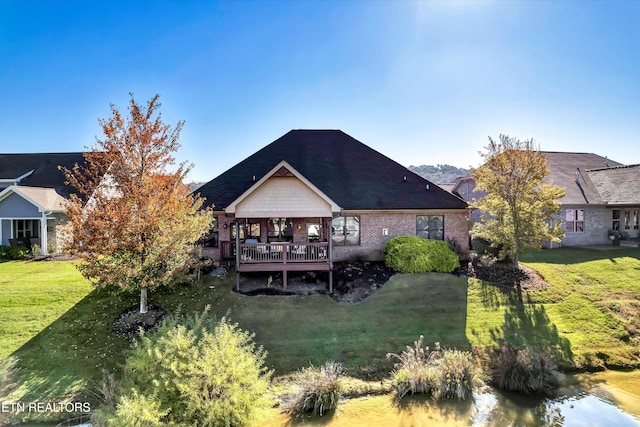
134 223
520 202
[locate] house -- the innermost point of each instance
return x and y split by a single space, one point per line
601 195
313 197
32 194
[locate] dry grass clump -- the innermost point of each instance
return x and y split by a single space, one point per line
524 370
441 373
317 390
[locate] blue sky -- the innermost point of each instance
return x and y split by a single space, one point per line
424 82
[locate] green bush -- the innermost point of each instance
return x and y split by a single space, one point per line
412 254
441 373
317 390
194 371
14 253
524 370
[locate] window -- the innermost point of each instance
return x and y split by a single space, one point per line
635 219
280 230
345 230
574 220
26 228
616 220
430 227
210 240
253 231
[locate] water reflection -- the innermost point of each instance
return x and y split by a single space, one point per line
604 399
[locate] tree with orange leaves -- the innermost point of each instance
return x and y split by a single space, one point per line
134 223
520 203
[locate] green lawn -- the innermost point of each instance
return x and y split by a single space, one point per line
60 329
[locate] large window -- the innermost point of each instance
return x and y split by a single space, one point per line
211 239
574 221
280 230
430 227
26 228
345 230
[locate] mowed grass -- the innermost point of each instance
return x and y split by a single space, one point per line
33 295
590 313
587 314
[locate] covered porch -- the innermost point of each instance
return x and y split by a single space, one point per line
263 245
281 223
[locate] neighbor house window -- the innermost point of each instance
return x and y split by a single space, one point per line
345 230
635 219
574 220
26 228
615 225
210 239
430 227
253 231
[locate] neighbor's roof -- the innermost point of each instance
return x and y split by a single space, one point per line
47 199
618 185
569 170
39 169
350 173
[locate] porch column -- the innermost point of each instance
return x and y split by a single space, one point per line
237 226
43 234
330 240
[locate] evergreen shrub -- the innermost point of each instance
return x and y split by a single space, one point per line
194 371
412 254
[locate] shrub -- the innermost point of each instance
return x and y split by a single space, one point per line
412 254
194 371
523 370
318 390
14 253
441 373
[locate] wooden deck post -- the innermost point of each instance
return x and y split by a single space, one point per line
285 249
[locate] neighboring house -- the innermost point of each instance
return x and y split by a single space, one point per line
601 196
313 197
32 194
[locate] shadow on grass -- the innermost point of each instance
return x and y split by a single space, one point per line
525 324
67 357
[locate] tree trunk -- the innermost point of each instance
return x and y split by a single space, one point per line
143 300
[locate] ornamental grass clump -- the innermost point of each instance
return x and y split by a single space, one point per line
412 254
441 373
317 390
524 370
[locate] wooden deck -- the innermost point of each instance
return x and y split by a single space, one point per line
283 256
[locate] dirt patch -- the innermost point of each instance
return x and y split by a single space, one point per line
503 274
353 282
129 322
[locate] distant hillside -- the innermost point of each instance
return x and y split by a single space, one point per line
439 174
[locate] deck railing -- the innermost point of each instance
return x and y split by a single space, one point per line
284 252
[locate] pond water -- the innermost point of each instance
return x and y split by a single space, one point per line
600 399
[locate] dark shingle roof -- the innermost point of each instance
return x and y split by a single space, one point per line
579 188
618 185
45 169
350 173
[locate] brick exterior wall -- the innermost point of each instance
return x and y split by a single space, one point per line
372 235
373 239
597 223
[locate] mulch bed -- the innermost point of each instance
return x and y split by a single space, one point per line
503 274
129 322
